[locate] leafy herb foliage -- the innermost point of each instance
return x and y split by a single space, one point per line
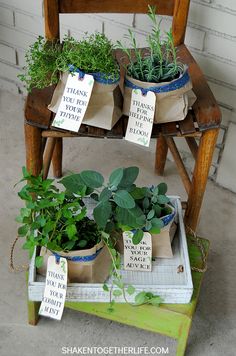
160 63
53 218
44 59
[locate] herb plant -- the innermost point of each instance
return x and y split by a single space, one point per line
120 203
45 59
93 54
53 218
160 63
41 70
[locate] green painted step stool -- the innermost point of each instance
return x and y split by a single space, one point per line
173 320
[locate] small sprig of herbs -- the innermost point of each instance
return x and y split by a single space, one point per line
46 59
118 288
160 64
41 70
53 218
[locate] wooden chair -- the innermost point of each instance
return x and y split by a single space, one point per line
44 144
202 121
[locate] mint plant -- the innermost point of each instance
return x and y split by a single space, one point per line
160 63
53 218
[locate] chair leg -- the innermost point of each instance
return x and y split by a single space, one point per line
57 158
183 337
49 149
33 312
33 146
161 154
200 175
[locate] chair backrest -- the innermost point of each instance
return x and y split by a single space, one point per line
178 9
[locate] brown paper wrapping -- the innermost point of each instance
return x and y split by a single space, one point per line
105 105
170 106
95 271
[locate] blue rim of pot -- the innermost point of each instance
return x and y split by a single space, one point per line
77 258
98 77
172 86
166 219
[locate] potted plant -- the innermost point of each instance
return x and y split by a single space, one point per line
92 55
50 63
122 206
157 69
56 221
156 216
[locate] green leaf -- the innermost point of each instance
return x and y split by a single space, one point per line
151 214
157 224
117 293
105 194
163 199
130 290
148 225
92 179
102 213
71 230
132 217
73 183
69 245
82 243
116 177
158 210
156 191
22 231
156 300
146 203
155 230
124 200
140 298
129 176
105 287
162 188
49 226
137 237
138 193
38 261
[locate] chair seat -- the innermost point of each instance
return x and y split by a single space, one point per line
204 115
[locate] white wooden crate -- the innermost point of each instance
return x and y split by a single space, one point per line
164 280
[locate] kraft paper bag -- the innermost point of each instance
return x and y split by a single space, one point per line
105 105
85 271
170 105
161 243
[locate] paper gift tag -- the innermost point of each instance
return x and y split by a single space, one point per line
54 295
137 257
141 115
74 102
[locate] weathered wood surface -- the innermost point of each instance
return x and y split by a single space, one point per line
164 7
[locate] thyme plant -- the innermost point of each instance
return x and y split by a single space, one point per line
46 59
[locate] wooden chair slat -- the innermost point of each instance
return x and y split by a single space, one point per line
96 132
116 6
169 129
187 126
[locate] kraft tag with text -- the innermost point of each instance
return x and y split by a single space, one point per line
74 102
54 295
141 116
137 257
